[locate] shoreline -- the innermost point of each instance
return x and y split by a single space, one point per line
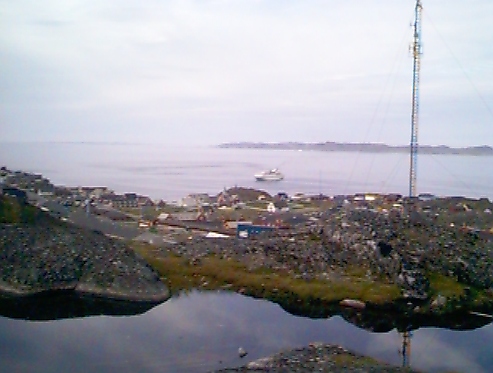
8 291
375 148
82 291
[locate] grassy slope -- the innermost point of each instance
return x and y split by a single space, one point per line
212 273
215 273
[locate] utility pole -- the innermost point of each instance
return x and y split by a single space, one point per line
417 51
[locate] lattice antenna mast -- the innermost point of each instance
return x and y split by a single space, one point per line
417 51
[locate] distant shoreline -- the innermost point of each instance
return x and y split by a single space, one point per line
329 146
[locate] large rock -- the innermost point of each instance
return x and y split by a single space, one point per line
51 256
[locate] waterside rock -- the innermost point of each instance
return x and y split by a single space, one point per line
317 357
352 303
51 255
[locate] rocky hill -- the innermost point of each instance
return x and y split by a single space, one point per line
40 254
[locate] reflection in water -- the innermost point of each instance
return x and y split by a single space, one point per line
200 332
373 319
376 321
406 348
67 305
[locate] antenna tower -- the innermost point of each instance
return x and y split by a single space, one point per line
417 51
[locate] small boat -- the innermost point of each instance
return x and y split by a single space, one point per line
271 175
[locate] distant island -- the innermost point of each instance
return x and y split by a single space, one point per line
330 146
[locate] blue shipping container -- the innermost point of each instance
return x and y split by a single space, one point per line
247 230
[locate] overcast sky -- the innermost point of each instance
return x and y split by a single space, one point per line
207 72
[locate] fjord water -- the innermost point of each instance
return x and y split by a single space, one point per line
170 172
203 331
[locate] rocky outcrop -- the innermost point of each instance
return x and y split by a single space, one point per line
317 357
51 255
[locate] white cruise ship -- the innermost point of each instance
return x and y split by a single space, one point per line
271 175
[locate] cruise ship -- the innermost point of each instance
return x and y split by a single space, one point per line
270 175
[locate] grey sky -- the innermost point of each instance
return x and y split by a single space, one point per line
205 72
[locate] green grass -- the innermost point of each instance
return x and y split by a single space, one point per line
456 294
316 298
214 273
446 286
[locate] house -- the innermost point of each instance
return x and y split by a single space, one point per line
45 189
93 192
130 196
234 224
145 201
392 198
340 200
128 200
61 191
20 195
145 224
189 202
358 197
188 216
426 197
202 198
161 204
397 207
224 199
163 217
270 220
281 196
319 197
299 197
371 197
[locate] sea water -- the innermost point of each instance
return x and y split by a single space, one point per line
171 172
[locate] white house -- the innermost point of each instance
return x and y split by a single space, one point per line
188 202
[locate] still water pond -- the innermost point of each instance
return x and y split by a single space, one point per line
200 332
